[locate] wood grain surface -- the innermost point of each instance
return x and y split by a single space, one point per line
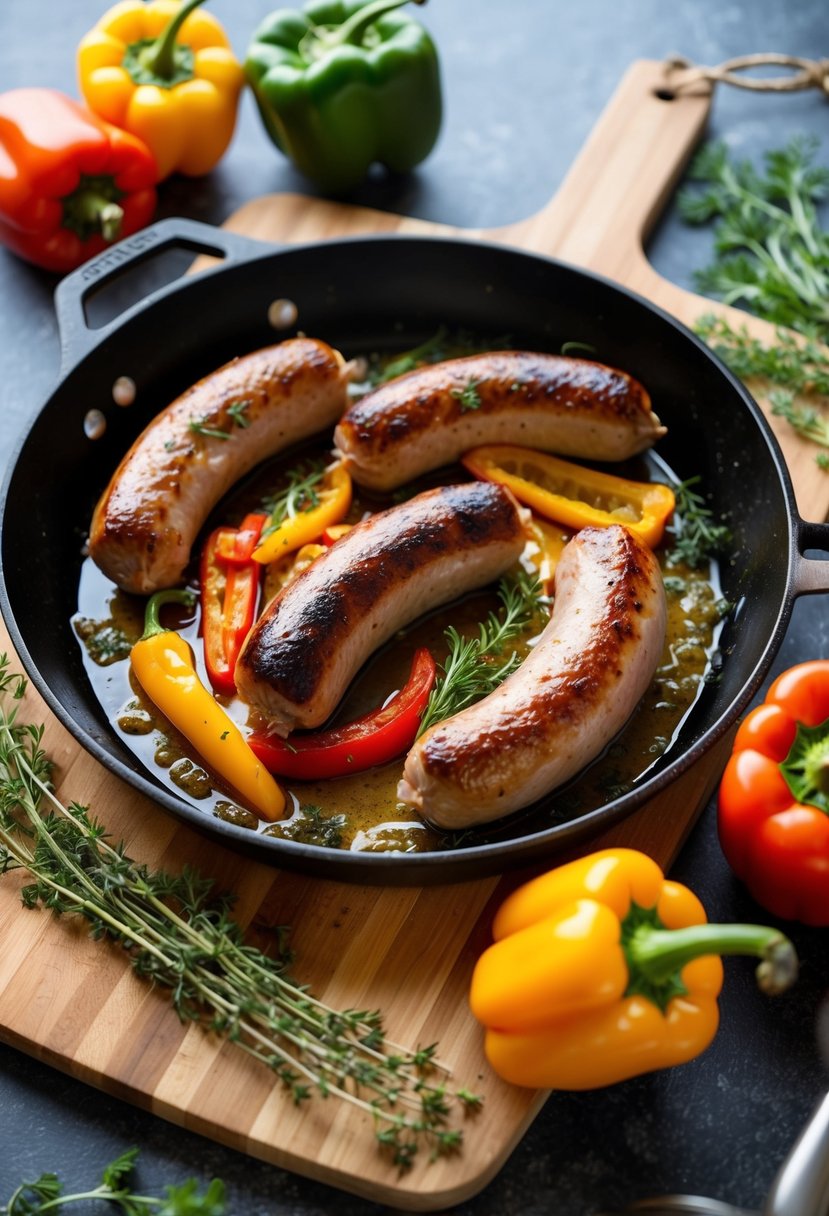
410 952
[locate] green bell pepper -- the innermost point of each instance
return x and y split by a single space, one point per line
344 84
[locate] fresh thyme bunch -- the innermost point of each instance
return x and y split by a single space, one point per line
181 936
698 537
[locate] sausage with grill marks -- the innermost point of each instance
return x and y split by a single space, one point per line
431 416
388 570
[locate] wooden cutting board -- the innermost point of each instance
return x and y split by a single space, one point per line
74 1003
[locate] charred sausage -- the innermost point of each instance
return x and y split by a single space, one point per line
388 570
147 519
561 708
429 417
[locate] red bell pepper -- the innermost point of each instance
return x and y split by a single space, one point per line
70 183
229 591
376 738
774 798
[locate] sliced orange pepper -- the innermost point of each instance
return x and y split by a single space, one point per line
332 498
573 495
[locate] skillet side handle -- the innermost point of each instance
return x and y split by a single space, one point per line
811 576
77 337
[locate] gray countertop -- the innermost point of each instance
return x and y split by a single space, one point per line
524 84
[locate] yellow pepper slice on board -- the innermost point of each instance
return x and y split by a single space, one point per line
573 495
330 503
163 665
166 73
603 969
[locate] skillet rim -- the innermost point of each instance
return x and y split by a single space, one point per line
435 866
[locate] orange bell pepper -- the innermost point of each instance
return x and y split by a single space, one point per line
602 969
70 184
773 814
166 73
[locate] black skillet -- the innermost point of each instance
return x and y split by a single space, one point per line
373 294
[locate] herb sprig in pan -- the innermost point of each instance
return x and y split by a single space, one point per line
180 936
475 666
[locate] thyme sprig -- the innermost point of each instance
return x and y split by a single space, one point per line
476 665
698 538
300 493
180 935
772 255
46 1194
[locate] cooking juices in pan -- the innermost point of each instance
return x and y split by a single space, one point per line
361 811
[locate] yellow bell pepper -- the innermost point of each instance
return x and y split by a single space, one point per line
167 74
163 665
573 495
307 519
602 970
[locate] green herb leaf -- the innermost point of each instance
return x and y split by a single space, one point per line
468 396
298 495
698 538
772 255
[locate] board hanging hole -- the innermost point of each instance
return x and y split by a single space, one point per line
94 424
282 314
664 94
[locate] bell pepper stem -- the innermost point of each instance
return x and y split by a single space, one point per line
160 56
176 595
655 955
352 30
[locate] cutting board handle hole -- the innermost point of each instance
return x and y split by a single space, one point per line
664 94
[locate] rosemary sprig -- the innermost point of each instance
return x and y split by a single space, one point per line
772 255
698 538
180 936
430 351
468 396
300 493
474 666
45 1194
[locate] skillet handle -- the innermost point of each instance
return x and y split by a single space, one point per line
811 576
77 337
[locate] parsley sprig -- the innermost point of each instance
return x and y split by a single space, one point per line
46 1194
179 935
476 665
772 255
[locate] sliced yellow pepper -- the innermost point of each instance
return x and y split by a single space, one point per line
167 74
164 667
286 569
573 495
332 498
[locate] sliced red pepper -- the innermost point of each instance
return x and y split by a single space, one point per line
236 547
376 738
229 592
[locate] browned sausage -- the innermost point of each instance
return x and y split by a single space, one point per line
149 516
560 709
430 417
388 570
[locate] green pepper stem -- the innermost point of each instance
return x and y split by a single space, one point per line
352 29
175 595
655 955
160 56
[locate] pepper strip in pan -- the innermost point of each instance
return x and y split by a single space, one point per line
163 664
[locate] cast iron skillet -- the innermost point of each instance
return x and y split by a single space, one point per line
367 294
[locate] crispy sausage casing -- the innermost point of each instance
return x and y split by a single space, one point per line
560 709
149 516
388 570
429 417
